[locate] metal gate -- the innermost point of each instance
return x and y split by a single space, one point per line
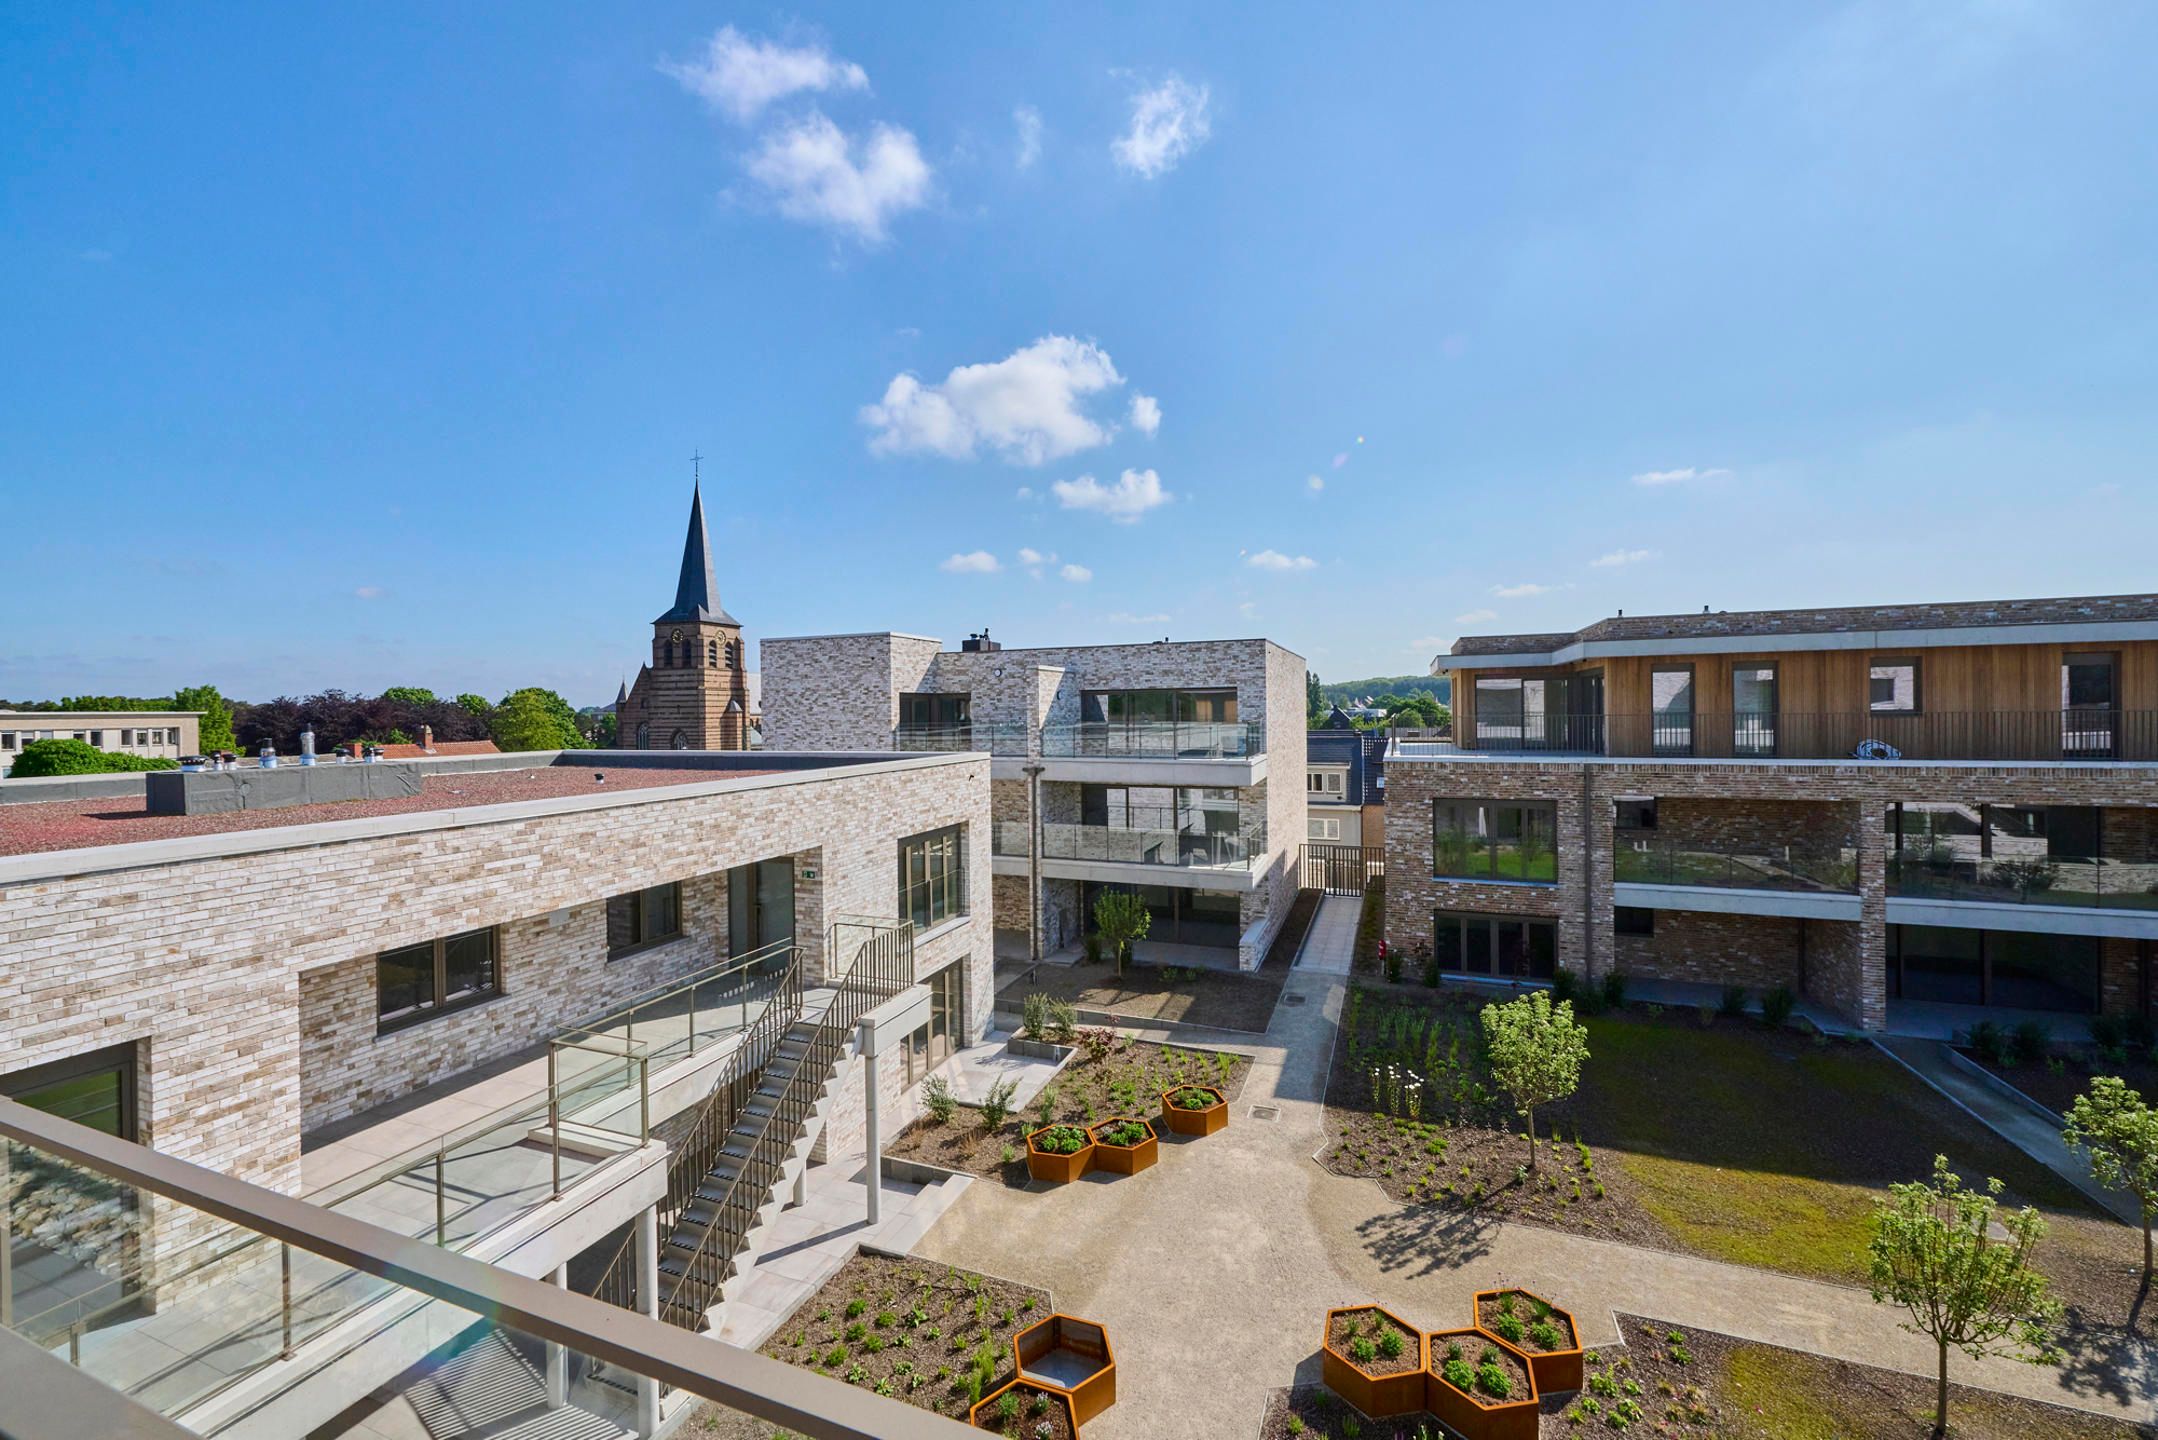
1342 869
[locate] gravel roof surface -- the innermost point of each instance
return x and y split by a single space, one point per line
117 820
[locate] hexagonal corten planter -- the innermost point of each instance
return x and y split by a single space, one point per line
1053 1166
1476 1415
1555 1370
1063 1425
1071 1356
1397 1392
1123 1159
1195 1122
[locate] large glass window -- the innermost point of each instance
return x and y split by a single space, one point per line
935 712
1158 706
2008 968
1495 840
1892 686
643 917
933 877
1512 946
417 982
1753 709
2089 701
1670 698
760 905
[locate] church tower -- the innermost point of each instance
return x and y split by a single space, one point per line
694 692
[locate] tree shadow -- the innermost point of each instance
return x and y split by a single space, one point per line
1425 1240
2112 1361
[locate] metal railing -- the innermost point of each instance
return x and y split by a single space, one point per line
2044 880
1154 739
880 964
2076 733
1341 869
694 1013
772 1391
1111 844
998 737
1641 857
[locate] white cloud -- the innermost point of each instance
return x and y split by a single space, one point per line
1168 122
1077 574
1145 414
1622 557
740 76
1680 477
819 174
1476 617
1315 483
1521 591
974 562
1029 121
1125 617
1024 492
1025 407
1437 642
1030 556
369 592
1135 493
1275 560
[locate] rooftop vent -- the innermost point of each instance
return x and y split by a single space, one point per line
980 644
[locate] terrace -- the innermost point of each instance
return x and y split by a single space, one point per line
2080 735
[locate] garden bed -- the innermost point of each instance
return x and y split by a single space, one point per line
1373 1360
2056 1080
904 1328
1186 995
1731 1140
1108 1077
1025 1411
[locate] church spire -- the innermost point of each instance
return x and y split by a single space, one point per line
696 593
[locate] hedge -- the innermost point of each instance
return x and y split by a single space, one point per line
77 757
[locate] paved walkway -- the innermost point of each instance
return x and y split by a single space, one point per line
1330 948
2022 1122
1220 1261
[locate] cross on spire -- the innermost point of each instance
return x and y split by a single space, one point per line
696 469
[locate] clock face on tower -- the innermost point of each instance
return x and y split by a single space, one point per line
675 638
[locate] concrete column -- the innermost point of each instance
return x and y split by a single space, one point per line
558 1354
1870 1004
872 1131
648 1293
801 1185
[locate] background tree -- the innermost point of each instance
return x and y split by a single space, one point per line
473 704
1535 1050
2119 1133
535 719
1933 1253
1121 917
216 716
1314 701
339 718
78 757
409 695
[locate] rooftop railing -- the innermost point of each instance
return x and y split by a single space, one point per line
1645 858
1116 845
674 1021
2103 884
1154 739
2079 733
998 738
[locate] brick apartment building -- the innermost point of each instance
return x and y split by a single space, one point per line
1148 767
1911 816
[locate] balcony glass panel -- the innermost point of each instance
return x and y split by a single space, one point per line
1649 858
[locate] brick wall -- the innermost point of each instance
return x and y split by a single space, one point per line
1813 824
1757 951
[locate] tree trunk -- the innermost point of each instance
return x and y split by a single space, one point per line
1532 1139
1940 1397
2146 1247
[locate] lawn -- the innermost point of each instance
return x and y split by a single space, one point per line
1722 1139
1125 1078
1217 999
933 1336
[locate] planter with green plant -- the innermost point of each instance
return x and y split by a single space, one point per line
1059 1153
1194 1109
1124 1146
1072 1357
1539 1330
1026 1411
1372 1360
1480 1385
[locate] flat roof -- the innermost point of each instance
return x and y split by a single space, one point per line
67 719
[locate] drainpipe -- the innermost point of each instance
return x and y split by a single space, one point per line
1588 877
1034 862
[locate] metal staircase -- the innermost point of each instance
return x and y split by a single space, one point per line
733 1173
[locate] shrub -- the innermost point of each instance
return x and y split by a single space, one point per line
2029 1043
1063 1020
1392 956
1097 1041
1734 1001
1509 1327
1546 1335
1093 947
2109 1032
1126 1132
1776 1006
856 1306
1493 1380
1565 986
78 757
1362 1351
1459 1375
1060 1140
1193 1098
997 1104
1614 989
1034 1015
1391 1343
1988 1042
938 1101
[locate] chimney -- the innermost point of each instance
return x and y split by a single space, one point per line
427 739
979 644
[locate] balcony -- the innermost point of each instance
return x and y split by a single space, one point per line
2079 734
1809 882
1001 738
1153 740
2051 880
1110 844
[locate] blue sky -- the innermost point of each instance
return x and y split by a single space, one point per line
370 346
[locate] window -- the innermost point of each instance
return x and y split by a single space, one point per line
7 739
1513 946
1670 698
418 982
1635 814
1892 686
1325 828
933 877
711 653
1633 920
1495 840
1191 707
643 918
1753 709
936 712
1325 782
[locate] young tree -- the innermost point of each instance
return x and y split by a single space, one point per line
2111 1124
1535 1049
535 719
216 716
1122 917
1933 1253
